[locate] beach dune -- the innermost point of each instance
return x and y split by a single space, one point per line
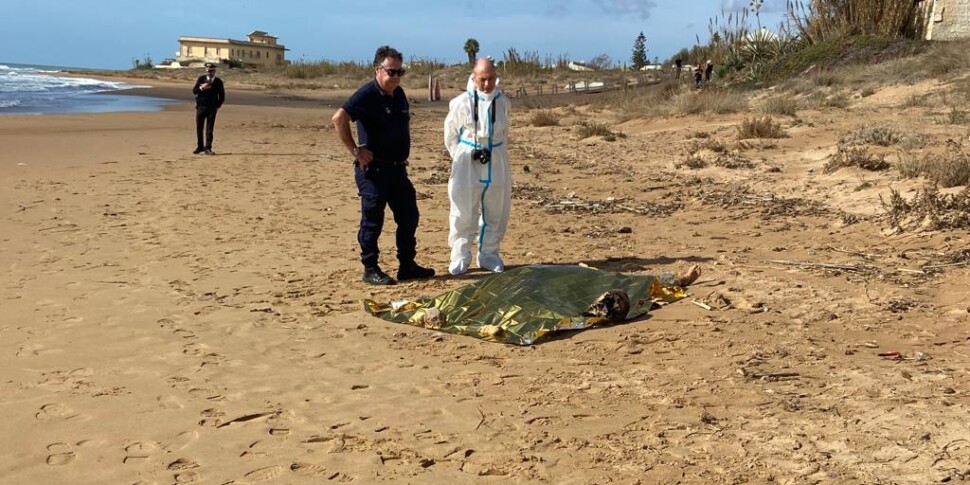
173 318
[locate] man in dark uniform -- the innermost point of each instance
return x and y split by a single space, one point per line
209 96
382 114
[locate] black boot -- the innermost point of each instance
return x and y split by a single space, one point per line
413 272
375 276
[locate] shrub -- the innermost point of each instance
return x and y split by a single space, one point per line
873 135
780 105
544 118
698 134
760 127
706 101
587 129
956 116
946 170
929 209
838 100
855 157
914 101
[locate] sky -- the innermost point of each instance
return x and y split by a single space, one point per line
110 34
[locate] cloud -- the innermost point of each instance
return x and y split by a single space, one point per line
641 8
767 6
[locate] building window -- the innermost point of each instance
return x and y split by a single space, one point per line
218 51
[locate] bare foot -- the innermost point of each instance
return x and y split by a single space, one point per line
685 279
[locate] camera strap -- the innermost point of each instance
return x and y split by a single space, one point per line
491 118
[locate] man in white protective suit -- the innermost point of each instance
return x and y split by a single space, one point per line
480 186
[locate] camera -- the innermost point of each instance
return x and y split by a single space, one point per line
483 155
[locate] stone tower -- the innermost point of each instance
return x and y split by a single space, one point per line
948 19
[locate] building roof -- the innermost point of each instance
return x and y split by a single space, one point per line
260 33
214 40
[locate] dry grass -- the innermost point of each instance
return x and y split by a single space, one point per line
949 169
855 157
929 210
760 127
784 104
873 135
818 21
709 101
838 100
713 152
956 116
587 129
915 101
698 134
544 117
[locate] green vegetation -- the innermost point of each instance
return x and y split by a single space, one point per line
471 48
639 57
929 209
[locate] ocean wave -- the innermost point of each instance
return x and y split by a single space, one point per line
9 104
34 82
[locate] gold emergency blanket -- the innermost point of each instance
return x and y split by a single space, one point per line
526 305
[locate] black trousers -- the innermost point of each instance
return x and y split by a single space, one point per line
205 120
386 185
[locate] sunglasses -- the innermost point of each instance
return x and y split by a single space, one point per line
395 72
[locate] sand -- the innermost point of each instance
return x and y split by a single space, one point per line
173 318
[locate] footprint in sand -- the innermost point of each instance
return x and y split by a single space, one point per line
263 474
182 441
55 411
308 469
264 447
188 477
60 454
30 350
182 464
184 333
139 452
170 402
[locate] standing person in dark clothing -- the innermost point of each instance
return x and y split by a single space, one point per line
708 71
209 96
698 75
382 114
678 65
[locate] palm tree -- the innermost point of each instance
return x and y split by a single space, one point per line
471 48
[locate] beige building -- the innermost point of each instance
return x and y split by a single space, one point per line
947 19
261 50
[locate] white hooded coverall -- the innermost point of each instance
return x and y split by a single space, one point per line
480 194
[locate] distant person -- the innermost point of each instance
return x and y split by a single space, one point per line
382 114
698 75
209 96
480 185
678 65
708 71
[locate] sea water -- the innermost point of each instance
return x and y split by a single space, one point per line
33 89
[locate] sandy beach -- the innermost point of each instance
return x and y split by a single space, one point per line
174 318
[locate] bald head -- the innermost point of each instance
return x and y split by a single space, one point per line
484 75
